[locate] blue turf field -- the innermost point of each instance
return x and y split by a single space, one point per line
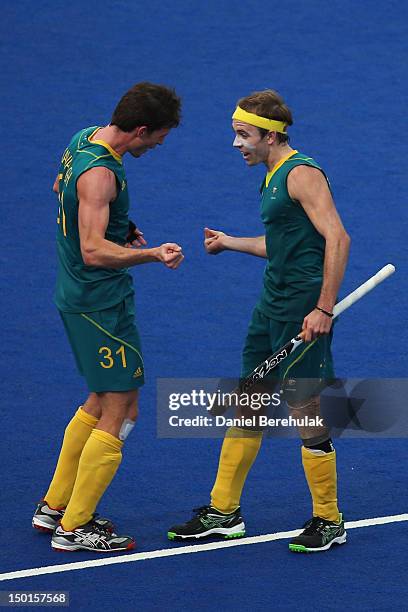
341 66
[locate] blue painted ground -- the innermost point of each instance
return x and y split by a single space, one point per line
341 68
257 577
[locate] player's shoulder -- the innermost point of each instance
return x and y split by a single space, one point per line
304 174
301 159
81 137
91 153
304 167
306 177
97 175
97 180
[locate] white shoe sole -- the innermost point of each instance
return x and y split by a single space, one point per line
74 547
37 523
339 540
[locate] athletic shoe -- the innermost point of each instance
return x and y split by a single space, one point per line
90 537
46 518
209 521
319 534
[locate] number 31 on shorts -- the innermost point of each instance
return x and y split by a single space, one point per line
109 361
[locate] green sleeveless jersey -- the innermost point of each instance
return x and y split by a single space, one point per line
295 249
82 288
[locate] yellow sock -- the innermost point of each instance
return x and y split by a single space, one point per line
99 461
239 451
321 476
77 433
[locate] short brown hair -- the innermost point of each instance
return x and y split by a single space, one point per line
269 104
155 106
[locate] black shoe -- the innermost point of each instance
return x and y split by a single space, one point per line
319 534
90 537
46 518
209 521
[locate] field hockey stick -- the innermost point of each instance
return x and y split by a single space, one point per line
264 368
274 360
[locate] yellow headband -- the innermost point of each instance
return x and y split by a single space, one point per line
262 122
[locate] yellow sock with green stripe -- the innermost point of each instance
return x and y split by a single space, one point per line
239 451
76 435
99 461
321 476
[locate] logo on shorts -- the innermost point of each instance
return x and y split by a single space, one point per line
138 373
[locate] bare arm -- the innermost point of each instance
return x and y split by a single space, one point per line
96 188
56 184
309 187
216 241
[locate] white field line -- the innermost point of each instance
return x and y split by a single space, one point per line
183 550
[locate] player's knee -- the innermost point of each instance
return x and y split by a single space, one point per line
311 426
119 403
306 410
308 406
132 411
92 406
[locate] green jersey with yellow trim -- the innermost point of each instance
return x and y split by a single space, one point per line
295 249
83 288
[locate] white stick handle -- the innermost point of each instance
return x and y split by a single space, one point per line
358 293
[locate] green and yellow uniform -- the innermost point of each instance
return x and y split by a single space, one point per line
292 285
95 303
292 280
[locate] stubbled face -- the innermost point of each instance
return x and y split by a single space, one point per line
248 141
144 140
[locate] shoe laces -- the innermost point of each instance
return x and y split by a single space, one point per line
94 518
314 525
201 511
100 529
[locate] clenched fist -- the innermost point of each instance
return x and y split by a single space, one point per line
170 254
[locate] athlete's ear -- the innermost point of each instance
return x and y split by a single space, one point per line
141 130
138 131
271 137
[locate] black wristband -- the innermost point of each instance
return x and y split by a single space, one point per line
328 314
